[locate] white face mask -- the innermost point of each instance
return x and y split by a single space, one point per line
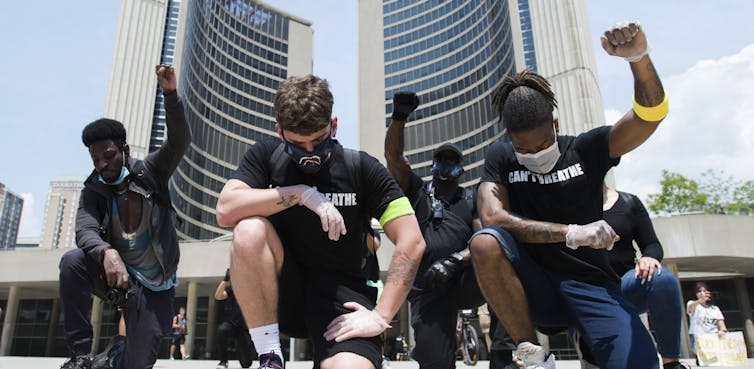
540 162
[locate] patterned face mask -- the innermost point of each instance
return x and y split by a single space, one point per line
310 162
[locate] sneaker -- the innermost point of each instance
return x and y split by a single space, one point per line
386 363
587 365
270 361
78 362
533 356
113 352
187 357
676 365
222 365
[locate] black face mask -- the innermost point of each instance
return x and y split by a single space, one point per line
310 162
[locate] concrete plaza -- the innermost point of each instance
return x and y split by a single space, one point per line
18 362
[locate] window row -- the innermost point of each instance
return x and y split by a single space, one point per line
243 42
448 13
479 46
431 53
496 16
214 92
407 10
244 13
491 60
212 58
490 74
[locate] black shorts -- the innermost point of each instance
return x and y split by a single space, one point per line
310 299
179 339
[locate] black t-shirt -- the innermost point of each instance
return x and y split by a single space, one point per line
571 193
441 236
630 220
299 228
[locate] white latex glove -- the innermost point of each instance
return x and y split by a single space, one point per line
597 235
362 322
332 221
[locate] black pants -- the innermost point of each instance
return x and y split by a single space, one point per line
227 331
148 314
434 315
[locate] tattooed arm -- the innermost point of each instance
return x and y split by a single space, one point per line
409 248
493 208
239 201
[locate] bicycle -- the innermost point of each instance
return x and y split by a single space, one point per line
468 337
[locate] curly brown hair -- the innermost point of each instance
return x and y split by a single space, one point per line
524 101
303 105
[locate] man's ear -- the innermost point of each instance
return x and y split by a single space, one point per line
557 125
126 152
334 126
279 131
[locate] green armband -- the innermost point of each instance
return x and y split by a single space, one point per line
397 208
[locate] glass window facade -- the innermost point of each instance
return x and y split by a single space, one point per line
235 55
452 54
157 136
527 34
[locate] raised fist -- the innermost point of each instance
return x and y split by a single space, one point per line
627 40
404 103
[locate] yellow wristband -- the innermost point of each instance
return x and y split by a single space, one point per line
654 113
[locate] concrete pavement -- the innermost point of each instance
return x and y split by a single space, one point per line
18 362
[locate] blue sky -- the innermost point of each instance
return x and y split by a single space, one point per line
57 57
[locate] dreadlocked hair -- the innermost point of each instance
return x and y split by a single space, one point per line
524 101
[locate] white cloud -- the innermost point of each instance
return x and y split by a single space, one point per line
30 226
709 126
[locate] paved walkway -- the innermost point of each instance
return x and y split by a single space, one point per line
18 362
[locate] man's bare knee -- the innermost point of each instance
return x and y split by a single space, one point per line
485 246
250 235
346 360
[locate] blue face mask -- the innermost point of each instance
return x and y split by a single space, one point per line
123 174
310 162
446 170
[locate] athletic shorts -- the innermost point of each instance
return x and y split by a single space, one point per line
179 339
310 299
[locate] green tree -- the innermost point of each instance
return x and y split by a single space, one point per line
678 195
720 191
743 199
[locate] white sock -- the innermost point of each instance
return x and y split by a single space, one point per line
267 339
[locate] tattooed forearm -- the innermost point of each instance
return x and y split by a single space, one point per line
287 200
648 90
402 269
538 232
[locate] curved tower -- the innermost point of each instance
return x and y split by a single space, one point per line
452 54
235 53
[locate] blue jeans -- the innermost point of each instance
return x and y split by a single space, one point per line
661 297
609 323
